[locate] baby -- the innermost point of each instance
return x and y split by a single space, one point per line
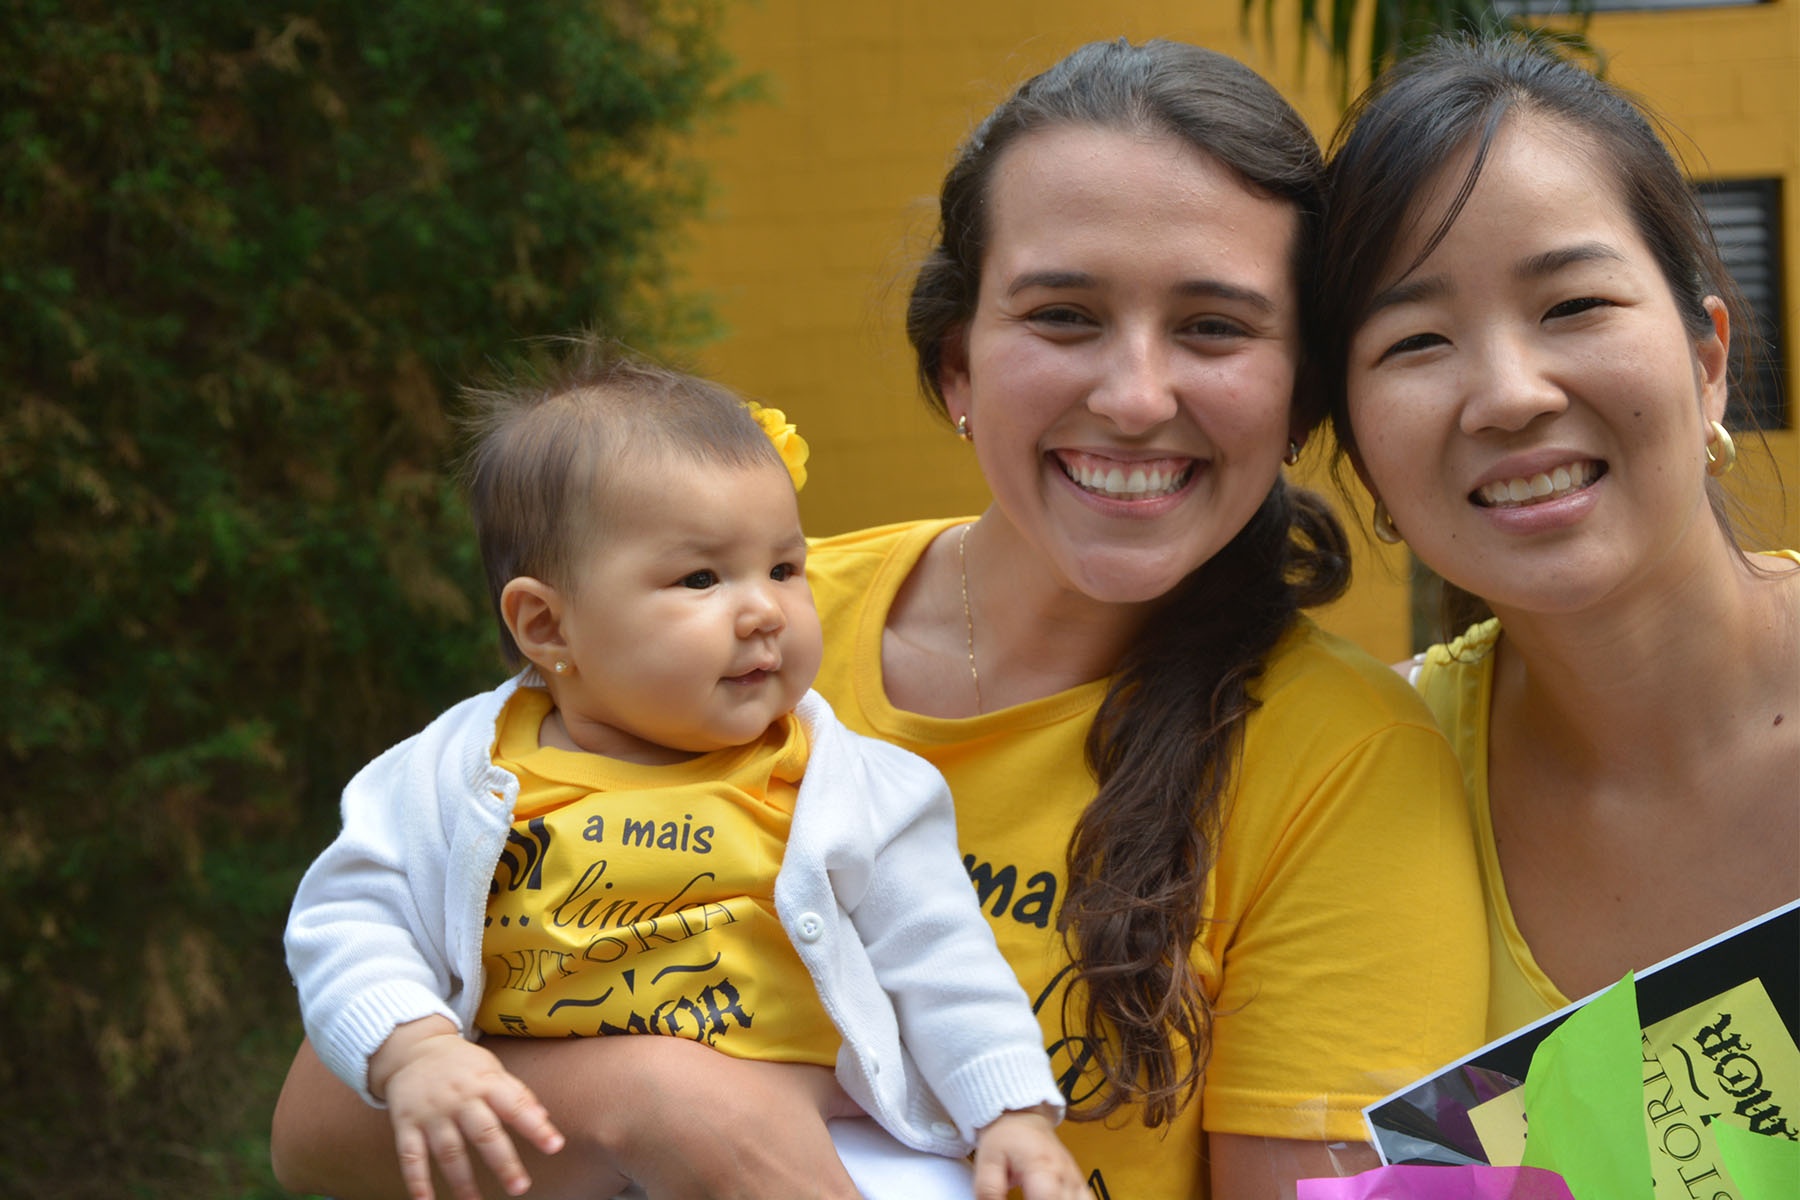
656 827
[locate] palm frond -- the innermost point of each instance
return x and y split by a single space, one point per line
1398 28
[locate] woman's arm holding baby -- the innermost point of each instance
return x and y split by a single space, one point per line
693 1124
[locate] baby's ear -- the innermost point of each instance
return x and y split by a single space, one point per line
533 611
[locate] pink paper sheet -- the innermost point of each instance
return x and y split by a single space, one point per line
1440 1183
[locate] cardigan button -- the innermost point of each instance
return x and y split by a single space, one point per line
943 1129
809 927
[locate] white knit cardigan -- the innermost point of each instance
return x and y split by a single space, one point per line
939 1038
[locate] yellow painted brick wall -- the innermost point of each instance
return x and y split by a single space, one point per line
824 195
1728 81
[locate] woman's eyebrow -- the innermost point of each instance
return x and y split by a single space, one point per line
1221 290
1075 280
1411 290
1551 261
1055 280
1537 266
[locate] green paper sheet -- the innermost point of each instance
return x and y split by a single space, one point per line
1762 1167
1584 1101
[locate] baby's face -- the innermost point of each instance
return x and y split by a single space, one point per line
691 626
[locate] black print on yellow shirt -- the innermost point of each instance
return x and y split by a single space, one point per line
611 929
522 861
667 835
532 970
1071 1055
613 914
1035 907
631 924
617 928
702 1017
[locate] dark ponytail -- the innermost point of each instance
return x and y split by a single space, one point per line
1164 744
1164 748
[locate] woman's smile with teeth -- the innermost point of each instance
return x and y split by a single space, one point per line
1532 489
1113 478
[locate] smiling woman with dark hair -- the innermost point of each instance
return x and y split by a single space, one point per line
1226 854
1525 330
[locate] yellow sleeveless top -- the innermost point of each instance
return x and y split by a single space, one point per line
1457 681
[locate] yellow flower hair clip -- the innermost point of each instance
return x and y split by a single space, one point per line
788 442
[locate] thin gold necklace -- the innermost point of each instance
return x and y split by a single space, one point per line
962 562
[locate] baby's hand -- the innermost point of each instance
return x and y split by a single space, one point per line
1021 1150
440 1090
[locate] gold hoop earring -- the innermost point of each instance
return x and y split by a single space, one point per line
1385 529
962 428
1293 453
1724 457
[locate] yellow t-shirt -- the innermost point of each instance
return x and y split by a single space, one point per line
641 899
1343 943
1457 681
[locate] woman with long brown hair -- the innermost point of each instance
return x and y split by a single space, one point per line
1226 853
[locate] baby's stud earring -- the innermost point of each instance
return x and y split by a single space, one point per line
562 668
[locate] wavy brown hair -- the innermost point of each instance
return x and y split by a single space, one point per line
1164 745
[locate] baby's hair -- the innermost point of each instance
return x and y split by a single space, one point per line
551 436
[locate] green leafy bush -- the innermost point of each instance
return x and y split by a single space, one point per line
246 249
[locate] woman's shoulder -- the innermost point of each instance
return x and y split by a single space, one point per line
1337 730
877 541
1460 654
846 567
1313 669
